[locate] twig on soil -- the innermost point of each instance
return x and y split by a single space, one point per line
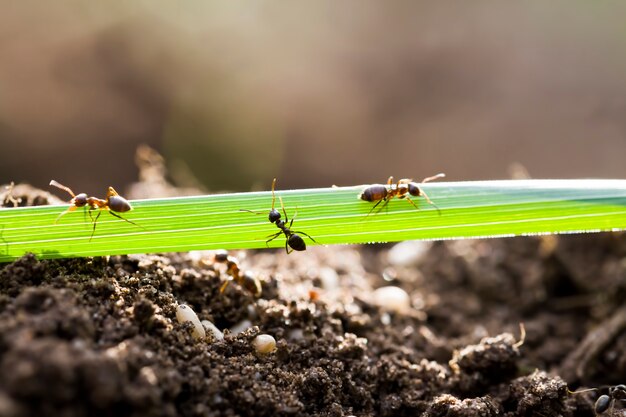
576 363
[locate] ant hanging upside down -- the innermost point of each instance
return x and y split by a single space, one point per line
401 189
293 238
114 203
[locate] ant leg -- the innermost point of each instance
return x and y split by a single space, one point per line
273 237
305 234
284 212
126 220
287 247
71 208
375 205
428 200
390 181
407 198
273 195
95 222
293 218
225 284
250 211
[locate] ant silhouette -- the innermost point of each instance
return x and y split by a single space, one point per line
114 203
244 278
293 238
401 189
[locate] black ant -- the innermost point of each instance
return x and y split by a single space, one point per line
605 402
401 189
114 203
246 279
294 241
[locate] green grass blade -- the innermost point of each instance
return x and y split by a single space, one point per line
329 215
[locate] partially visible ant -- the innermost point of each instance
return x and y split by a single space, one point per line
246 279
293 239
401 189
607 401
114 203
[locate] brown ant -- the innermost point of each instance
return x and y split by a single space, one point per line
605 402
246 279
293 239
114 203
401 189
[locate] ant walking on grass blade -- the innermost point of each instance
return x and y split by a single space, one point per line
383 193
114 203
293 238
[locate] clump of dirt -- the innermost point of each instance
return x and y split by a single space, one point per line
99 336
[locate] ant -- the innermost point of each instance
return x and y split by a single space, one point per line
401 189
293 239
605 402
114 204
245 279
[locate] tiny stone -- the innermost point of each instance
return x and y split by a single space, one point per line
407 253
213 329
240 327
392 299
264 344
184 313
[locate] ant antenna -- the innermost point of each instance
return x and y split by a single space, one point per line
522 336
274 196
434 177
273 200
62 187
429 179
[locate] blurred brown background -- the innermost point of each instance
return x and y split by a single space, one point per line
316 93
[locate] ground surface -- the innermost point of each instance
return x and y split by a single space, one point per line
85 337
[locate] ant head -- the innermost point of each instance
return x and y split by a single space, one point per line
414 189
80 200
295 242
618 391
220 256
274 216
119 204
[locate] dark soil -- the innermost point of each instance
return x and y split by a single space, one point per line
87 337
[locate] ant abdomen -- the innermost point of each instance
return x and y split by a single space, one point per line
117 202
374 193
296 243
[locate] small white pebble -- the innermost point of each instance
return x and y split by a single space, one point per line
264 344
213 329
329 279
407 253
184 313
392 299
241 326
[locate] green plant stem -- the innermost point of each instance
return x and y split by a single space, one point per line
329 215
